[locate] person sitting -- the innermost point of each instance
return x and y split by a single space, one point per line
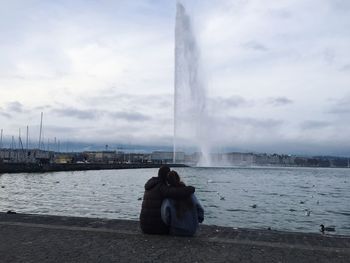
156 190
182 216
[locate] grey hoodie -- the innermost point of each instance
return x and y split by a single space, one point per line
187 225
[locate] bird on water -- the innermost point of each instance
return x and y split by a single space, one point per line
327 228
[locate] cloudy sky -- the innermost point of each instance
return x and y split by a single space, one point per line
277 73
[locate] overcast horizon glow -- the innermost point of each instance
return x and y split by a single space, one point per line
277 72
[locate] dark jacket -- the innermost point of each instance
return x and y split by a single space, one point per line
155 192
187 224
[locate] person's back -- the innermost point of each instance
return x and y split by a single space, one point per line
156 190
185 224
150 221
182 216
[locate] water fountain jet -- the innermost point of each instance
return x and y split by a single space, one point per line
190 111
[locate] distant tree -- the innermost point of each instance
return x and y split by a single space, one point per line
300 161
312 162
340 162
324 163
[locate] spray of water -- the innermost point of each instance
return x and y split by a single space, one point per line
190 111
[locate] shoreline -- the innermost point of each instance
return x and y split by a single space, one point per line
46 238
42 168
66 167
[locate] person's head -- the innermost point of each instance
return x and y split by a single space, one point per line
162 172
173 178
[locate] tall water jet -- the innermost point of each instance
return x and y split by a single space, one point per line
190 113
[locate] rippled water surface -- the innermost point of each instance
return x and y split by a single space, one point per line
293 199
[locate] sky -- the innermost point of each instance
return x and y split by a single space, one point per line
277 73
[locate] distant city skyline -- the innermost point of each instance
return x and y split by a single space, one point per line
277 72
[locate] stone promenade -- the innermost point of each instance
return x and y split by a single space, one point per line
38 238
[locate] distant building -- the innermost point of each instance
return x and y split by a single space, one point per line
167 157
25 156
100 156
235 158
64 158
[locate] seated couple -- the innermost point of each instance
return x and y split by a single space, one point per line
169 206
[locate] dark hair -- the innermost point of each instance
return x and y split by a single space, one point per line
173 179
162 172
183 205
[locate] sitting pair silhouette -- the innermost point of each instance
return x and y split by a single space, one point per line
169 206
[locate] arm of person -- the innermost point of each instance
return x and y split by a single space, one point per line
200 209
176 192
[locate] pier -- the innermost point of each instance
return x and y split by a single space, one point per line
45 238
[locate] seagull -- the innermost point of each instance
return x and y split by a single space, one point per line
307 212
327 228
254 206
209 181
221 197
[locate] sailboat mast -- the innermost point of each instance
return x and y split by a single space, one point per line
41 127
27 138
1 139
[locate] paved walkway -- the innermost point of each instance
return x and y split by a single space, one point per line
35 238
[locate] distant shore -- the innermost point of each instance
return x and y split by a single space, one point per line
41 168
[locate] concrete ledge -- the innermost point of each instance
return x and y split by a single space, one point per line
43 238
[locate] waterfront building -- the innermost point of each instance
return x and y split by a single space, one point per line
235 158
25 156
100 156
167 157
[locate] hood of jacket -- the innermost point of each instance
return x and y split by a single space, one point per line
152 183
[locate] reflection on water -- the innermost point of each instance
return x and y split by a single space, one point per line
295 199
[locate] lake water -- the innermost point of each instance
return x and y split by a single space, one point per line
292 199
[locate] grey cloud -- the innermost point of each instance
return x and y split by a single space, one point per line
229 102
255 46
43 107
345 67
14 106
129 116
257 123
5 114
340 110
341 106
279 101
340 5
307 125
60 129
159 100
72 112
